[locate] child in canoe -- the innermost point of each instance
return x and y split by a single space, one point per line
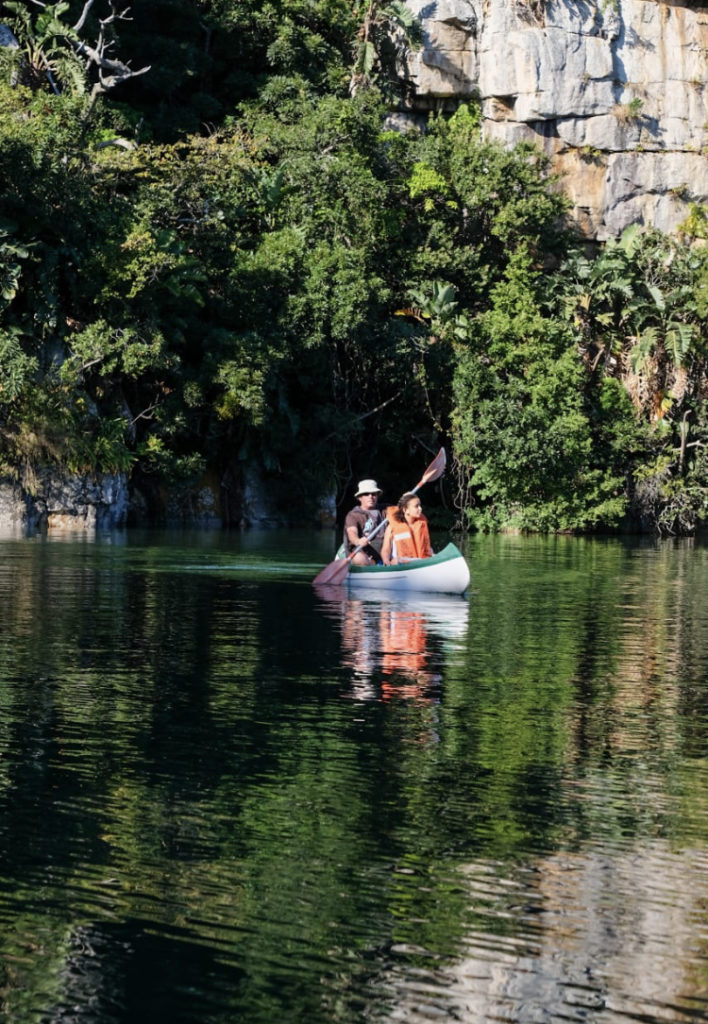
407 535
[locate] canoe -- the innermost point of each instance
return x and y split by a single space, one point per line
445 573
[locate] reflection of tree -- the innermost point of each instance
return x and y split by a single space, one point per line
181 782
187 794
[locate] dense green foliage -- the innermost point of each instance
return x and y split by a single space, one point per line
224 260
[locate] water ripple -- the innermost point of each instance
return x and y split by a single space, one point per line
584 936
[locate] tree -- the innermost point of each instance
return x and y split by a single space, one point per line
388 30
522 433
54 53
230 262
638 313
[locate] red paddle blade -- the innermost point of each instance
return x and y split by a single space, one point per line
335 573
331 593
435 469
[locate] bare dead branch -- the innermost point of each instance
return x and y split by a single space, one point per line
365 415
84 14
378 408
146 414
111 72
92 362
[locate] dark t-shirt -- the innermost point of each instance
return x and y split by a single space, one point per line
366 523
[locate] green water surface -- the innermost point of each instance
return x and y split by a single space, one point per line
227 797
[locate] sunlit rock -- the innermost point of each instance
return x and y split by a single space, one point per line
615 93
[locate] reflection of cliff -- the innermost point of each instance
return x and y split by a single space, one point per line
596 935
615 92
394 644
659 645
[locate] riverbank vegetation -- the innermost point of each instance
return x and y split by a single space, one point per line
216 252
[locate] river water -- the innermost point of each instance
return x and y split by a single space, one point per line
227 797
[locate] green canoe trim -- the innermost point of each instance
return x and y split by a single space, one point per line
448 553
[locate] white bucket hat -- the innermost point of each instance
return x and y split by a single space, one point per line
368 487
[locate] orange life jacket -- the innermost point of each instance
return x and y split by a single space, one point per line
412 541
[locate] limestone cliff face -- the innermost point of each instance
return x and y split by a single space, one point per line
614 90
62 502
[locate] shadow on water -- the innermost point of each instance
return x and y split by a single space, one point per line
225 796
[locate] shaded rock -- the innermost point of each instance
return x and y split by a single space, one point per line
64 502
7 38
17 514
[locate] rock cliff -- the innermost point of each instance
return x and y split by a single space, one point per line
63 502
614 91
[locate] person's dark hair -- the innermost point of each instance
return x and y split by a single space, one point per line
402 502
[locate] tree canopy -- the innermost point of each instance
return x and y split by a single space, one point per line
216 254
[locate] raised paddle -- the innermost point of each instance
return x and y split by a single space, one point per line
336 572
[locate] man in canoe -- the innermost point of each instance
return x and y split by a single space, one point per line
407 535
361 522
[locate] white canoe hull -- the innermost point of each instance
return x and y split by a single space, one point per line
446 572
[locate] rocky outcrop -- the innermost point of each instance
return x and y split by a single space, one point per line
243 496
60 502
7 38
16 512
615 91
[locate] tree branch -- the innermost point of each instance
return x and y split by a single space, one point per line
146 414
84 14
111 72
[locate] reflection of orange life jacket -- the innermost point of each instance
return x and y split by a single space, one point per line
411 541
404 642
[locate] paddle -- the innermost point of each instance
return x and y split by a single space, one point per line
336 572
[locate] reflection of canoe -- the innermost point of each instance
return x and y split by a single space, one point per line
395 642
444 573
446 615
